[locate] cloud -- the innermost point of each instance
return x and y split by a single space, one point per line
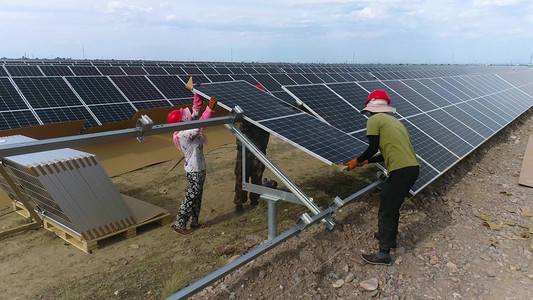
121 8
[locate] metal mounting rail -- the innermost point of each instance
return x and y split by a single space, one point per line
304 222
143 129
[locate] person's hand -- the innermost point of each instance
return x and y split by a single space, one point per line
212 103
352 164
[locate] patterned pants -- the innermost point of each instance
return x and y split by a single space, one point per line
190 207
254 173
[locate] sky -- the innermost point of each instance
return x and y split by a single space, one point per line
293 31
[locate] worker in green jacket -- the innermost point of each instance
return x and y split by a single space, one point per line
388 135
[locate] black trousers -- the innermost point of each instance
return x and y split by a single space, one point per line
393 191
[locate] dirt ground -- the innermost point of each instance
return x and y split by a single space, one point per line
447 248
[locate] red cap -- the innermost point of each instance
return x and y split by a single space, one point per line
378 94
259 87
174 116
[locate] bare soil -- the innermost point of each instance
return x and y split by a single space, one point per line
447 250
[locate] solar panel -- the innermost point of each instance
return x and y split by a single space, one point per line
170 86
410 95
219 78
223 70
427 175
325 104
56 71
457 126
137 88
476 125
46 92
17 119
96 90
133 71
267 82
64 114
3 71
175 70
208 70
9 97
283 79
299 78
231 94
84 70
196 78
192 71
143 105
429 150
313 78
326 78
453 90
109 113
154 70
474 112
316 138
106 70
441 134
245 77
285 97
23 70
429 94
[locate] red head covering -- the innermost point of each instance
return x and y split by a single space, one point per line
259 87
378 94
174 116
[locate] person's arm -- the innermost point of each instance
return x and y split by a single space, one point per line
373 147
368 155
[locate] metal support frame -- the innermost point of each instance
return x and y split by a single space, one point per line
300 195
303 223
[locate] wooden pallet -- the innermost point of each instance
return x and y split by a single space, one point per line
88 246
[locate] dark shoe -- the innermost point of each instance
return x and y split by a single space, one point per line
239 209
374 259
394 243
254 202
181 231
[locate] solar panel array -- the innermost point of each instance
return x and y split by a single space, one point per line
36 92
449 110
447 117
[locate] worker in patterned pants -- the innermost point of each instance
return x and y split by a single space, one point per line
192 203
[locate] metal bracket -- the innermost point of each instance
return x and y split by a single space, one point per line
144 124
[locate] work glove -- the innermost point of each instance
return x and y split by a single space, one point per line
354 164
197 102
212 103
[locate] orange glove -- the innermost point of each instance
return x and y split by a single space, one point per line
212 103
354 164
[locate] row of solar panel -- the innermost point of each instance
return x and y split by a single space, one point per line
27 101
89 70
446 117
